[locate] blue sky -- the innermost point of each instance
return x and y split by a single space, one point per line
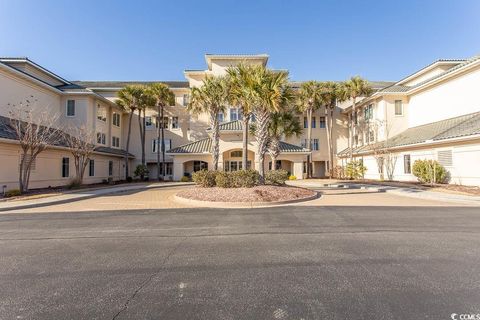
157 40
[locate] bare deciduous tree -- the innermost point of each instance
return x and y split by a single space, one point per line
34 129
382 152
81 143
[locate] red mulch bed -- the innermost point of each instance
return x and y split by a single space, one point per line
255 194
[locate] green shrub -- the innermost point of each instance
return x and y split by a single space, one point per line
276 177
12 193
74 184
204 178
224 179
424 171
184 179
292 177
355 170
129 179
141 171
244 178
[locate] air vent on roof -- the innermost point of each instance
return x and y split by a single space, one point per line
445 158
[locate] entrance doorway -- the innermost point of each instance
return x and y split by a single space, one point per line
234 165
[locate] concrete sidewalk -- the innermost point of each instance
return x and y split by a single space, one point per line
399 191
84 194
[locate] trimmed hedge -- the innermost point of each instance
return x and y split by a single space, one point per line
276 177
204 178
234 179
424 171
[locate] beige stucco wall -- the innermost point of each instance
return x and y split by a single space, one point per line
455 97
48 167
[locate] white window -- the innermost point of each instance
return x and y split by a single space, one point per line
322 122
148 121
235 114
91 168
164 122
101 138
116 142
407 164
368 112
116 119
158 147
101 113
70 108
315 144
186 99
220 117
398 108
174 122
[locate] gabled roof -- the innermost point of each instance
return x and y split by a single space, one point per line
121 84
205 146
462 126
26 60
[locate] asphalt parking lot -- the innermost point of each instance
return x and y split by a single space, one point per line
292 262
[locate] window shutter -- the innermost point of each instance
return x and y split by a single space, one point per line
445 158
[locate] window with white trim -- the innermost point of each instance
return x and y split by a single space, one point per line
91 168
186 99
407 164
315 145
148 121
101 113
174 122
116 119
235 114
398 108
322 123
116 142
65 167
70 108
157 147
110 168
101 138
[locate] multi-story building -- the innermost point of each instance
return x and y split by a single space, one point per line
395 112
433 113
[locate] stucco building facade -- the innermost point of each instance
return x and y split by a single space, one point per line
440 92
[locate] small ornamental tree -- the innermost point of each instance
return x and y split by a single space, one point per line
81 142
34 129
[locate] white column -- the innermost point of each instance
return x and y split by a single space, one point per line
177 170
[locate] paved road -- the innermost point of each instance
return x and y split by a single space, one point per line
300 262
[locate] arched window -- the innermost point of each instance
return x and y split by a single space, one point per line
236 154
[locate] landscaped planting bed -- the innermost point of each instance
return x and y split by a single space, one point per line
265 193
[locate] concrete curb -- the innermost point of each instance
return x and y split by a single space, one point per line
221 204
72 197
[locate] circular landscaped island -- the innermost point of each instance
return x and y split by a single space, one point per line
257 194
242 188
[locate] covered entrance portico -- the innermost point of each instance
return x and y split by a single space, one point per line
232 160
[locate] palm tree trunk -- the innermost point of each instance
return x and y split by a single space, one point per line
128 141
245 122
162 130
331 155
215 139
157 142
309 141
263 118
274 150
350 136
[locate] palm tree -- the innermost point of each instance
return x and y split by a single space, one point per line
163 97
308 101
128 101
355 87
145 101
241 93
211 98
331 93
273 93
282 124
